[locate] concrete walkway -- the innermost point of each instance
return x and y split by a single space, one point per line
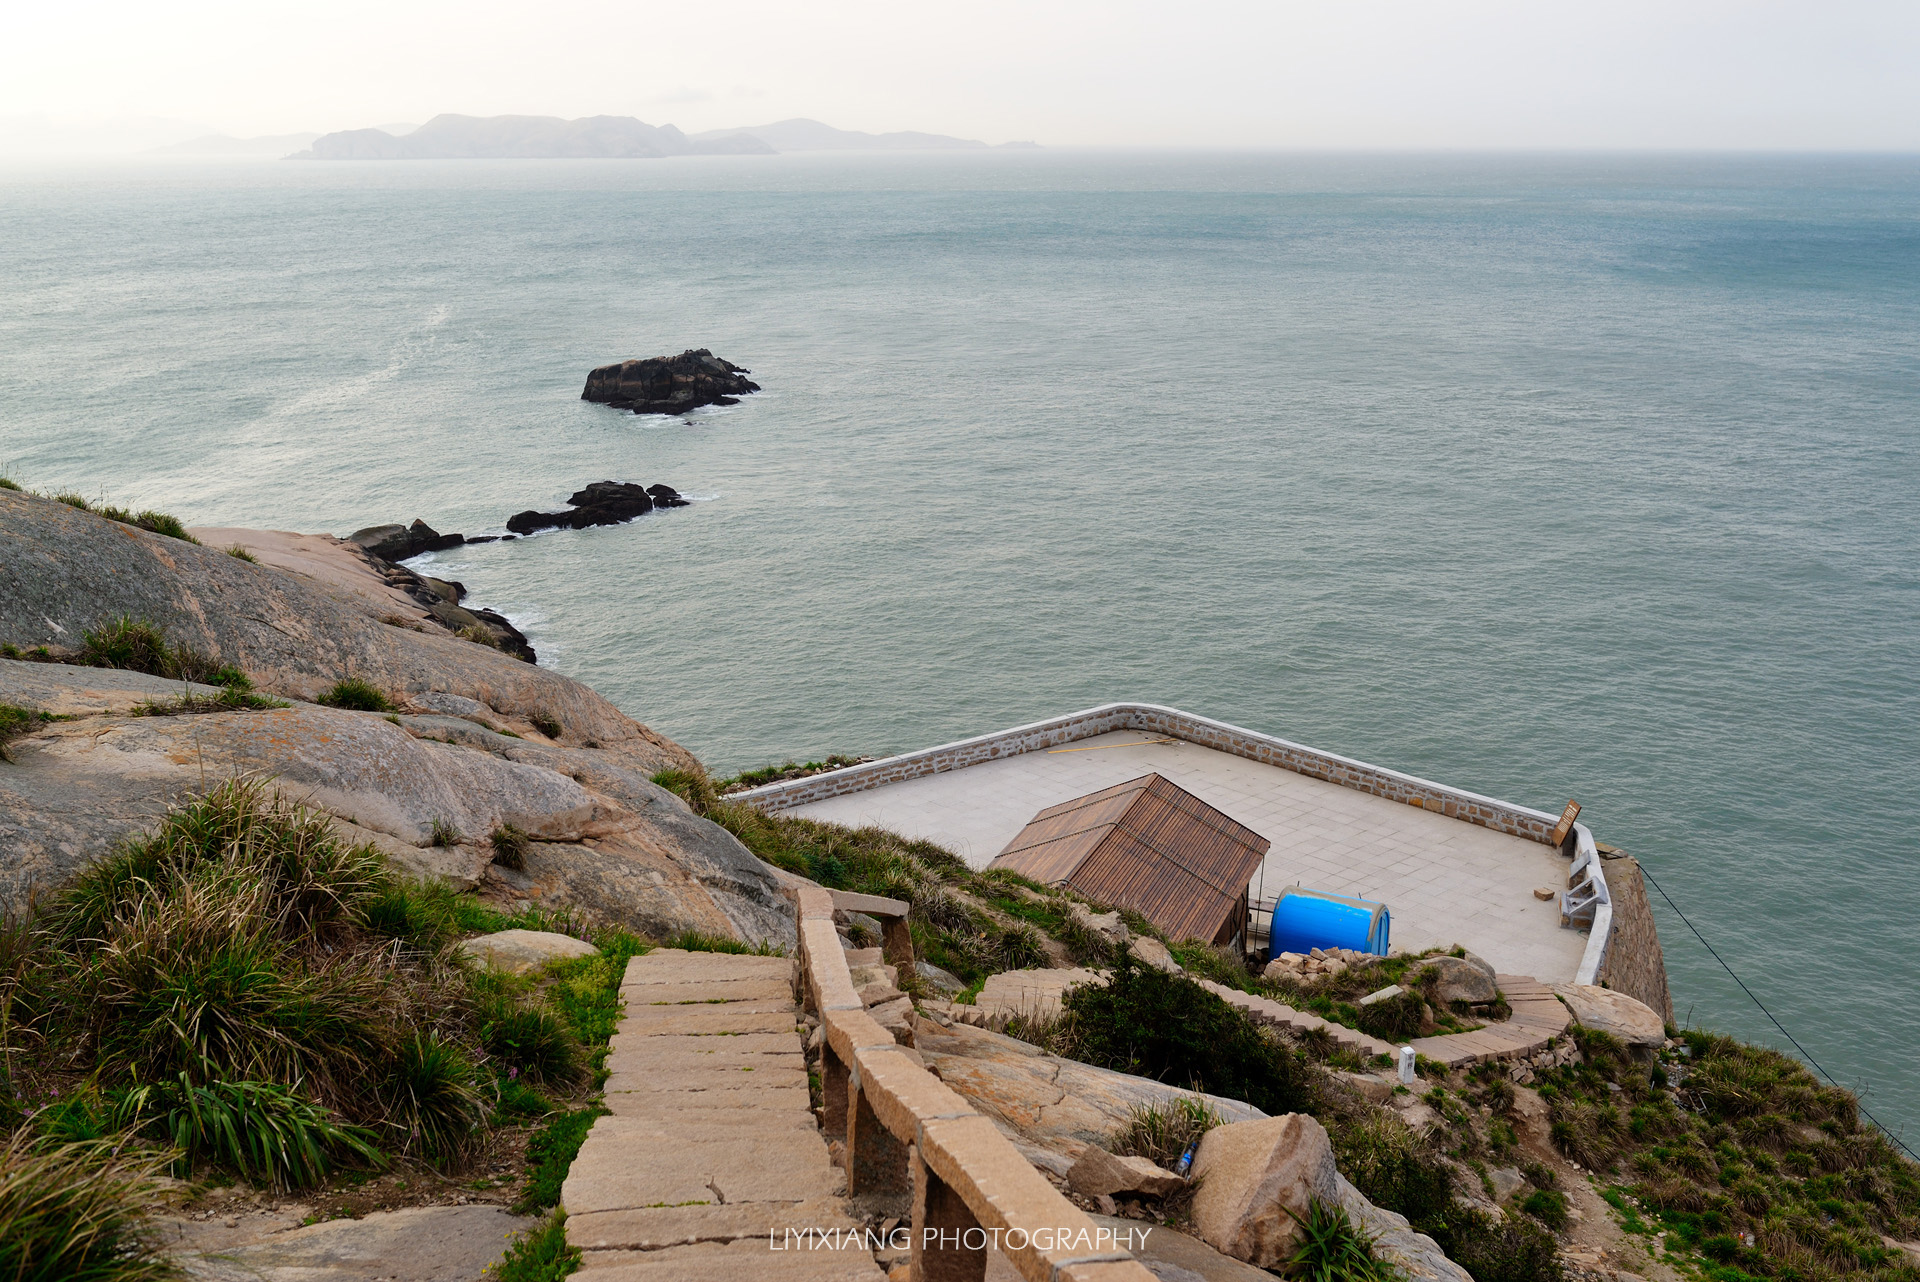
712 1152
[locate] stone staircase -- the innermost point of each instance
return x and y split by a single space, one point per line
711 1153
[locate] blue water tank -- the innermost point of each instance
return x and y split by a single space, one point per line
1304 920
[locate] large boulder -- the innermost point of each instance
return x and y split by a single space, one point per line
1251 1175
1459 980
1605 1011
398 542
520 951
1054 1104
669 384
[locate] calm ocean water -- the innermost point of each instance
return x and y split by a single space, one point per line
1546 477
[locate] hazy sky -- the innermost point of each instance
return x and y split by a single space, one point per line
1342 73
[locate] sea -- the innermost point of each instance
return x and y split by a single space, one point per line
1547 476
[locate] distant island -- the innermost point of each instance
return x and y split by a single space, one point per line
455 137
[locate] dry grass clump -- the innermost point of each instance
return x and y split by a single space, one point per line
73 1213
245 987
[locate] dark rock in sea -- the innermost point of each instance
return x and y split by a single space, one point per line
602 503
669 384
398 542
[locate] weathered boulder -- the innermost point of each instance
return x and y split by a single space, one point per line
1056 1104
943 982
1153 953
1605 1011
669 384
1106 925
1099 1172
1416 1255
520 951
1250 1175
1459 980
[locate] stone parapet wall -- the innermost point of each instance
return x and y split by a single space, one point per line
1468 807
1634 964
906 1132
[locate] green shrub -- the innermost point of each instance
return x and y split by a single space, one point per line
1549 1206
510 846
8 483
445 835
1153 1024
355 695
546 723
695 942
73 1213
479 635
550 1153
1387 1162
534 1043
437 1098
1163 1132
241 554
262 1131
151 521
228 700
1334 1249
137 645
539 1255
1394 1019
73 500
691 786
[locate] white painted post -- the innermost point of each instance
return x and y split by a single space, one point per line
1406 1065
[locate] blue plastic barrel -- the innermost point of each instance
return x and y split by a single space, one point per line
1304 920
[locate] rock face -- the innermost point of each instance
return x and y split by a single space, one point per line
520 951
418 1244
574 773
602 503
1251 1174
669 384
1462 981
398 542
1605 1011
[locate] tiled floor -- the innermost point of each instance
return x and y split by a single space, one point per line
1444 881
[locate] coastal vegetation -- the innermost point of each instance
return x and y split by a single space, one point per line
147 519
355 695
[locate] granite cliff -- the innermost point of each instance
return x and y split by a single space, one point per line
477 738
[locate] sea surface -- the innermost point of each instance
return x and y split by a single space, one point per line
1545 476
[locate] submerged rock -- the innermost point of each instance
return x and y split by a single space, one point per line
669 384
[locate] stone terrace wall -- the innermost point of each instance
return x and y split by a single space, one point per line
1501 816
1634 962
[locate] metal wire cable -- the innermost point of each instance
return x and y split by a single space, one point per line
1804 1053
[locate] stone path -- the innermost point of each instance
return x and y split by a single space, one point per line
711 1146
1538 1017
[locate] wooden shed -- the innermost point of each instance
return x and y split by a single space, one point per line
1150 846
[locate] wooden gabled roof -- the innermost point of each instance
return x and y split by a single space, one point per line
1147 845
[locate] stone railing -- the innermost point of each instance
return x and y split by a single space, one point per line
1468 807
905 1131
1587 896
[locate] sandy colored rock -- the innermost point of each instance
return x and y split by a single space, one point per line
519 951
1058 1104
1250 1175
1099 1172
1153 953
1460 980
1605 1011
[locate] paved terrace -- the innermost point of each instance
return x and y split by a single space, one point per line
1444 880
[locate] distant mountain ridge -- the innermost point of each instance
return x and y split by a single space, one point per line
226 145
801 134
456 137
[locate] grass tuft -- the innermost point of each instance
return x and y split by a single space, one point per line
1333 1248
510 844
355 695
241 554
72 1213
539 1255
